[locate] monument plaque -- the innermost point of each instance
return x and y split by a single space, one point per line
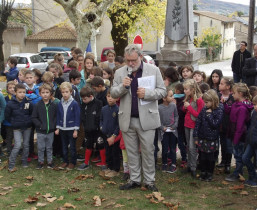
179 35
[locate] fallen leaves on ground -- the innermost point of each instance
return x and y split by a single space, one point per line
73 189
203 196
143 188
173 180
97 200
84 176
31 199
69 205
155 197
47 195
111 182
51 200
237 187
3 193
241 178
224 183
1 177
27 184
244 193
30 178
171 205
101 186
78 199
60 198
13 205
41 204
118 206
7 188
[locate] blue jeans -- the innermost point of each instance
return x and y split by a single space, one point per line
67 139
169 141
20 135
248 154
237 77
238 151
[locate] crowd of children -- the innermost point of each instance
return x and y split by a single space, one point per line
70 107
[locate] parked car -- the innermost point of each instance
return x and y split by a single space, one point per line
104 53
30 61
148 59
49 55
43 49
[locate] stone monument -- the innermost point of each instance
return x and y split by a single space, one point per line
179 35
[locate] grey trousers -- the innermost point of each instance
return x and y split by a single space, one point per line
18 136
136 138
192 150
45 142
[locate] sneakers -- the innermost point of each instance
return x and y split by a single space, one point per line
125 176
227 170
203 176
129 185
183 164
40 166
25 164
33 156
112 174
96 160
100 164
50 165
232 178
80 157
250 183
71 166
164 167
63 166
221 165
172 169
208 177
83 166
151 187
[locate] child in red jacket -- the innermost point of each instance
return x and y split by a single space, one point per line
193 105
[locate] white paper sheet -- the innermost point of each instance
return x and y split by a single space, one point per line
147 83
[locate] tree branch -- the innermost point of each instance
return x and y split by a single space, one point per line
74 3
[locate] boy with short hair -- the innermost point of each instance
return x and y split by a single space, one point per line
12 73
90 116
109 125
44 119
74 78
67 124
18 112
97 84
10 86
32 93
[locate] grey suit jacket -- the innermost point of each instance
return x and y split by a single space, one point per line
148 114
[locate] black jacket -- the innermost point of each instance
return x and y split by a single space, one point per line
249 71
19 113
90 115
237 65
44 117
102 96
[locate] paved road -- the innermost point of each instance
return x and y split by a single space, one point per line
225 66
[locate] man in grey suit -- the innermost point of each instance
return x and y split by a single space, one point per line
138 122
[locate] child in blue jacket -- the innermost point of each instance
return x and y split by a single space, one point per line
67 124
12 73
18 112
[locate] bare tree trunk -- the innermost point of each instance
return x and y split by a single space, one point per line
2 66
251 26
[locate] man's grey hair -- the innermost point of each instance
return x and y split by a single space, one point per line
133 48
